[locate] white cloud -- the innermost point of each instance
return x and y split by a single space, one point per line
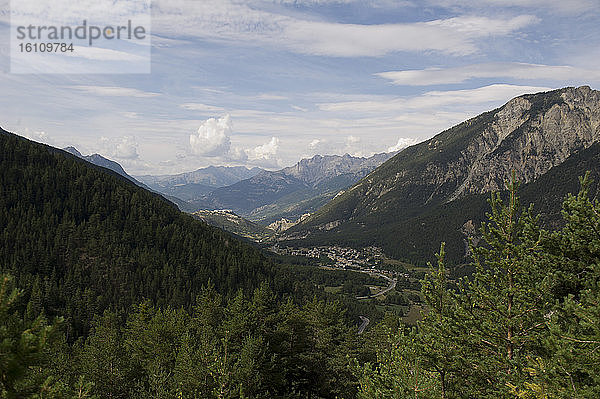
130 115
212 138
201 107
237 154
350 140
270 97
403 142
455 36
355 147
434 100
473 26
125 147
314 143
113 91
560 6
226 20
264 152
514 70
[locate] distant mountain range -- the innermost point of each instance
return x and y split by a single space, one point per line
192 186
436 190
293 191
431 192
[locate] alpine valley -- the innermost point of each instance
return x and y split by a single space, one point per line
300 199
312 281
405 203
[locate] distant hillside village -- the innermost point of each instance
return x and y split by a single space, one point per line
345 258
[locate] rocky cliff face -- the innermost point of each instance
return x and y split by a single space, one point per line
529 142
529 135
320 168
281 225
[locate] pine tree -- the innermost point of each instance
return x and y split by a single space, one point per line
23 344
399 373
104 360
571 368
502 309
475 340
436 340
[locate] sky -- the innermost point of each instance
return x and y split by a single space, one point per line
268 82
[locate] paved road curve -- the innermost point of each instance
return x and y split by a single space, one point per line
363 325
392 285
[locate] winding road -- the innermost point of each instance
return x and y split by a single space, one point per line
392 285
364 324
365 320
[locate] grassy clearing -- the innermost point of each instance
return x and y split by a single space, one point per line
413 315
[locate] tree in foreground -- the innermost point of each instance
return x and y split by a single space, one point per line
527 324
570 366
26 346
501 311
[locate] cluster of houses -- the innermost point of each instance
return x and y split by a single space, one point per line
342 257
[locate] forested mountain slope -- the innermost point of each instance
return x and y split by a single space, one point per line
89 239
153 303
